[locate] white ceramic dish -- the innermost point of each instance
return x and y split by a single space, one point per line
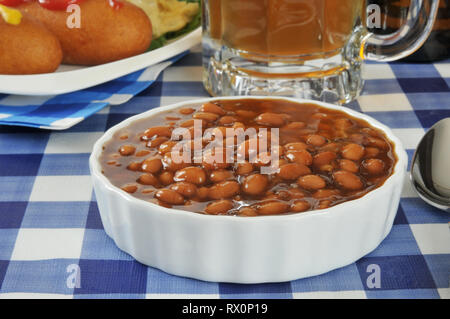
247 249
73 78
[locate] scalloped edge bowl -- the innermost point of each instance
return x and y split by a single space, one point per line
242 249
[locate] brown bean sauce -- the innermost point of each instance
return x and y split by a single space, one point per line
326 157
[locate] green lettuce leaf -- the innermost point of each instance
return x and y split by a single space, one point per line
194 24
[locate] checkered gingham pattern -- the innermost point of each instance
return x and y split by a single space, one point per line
49 219
60 112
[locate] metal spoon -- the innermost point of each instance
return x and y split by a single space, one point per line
430 168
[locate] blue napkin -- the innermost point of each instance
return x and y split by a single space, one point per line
59 112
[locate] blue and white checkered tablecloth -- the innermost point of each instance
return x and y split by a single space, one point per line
60 112
50 225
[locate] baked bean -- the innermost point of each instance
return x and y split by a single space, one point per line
297 146
255 184
244 168
142 153
186 189
325 193
271 195
343 123
353 151
127 150
320 116
209 117
371 152
311 182
324 158
300 157
186 111
369 131
157 141
248 148
305 131
296 193
323 204
377 142
169 196
357 138
227 120
203 193
172 118
220 175
247 211
134 166
166 178
284 195
152 165
294 126
123 137
130 188
373 166
272 207
300 206
157 131
246 114
262 159
331 147
188 123
148 179
166 147
270 119
348 165
347 180
324 127
238 125
316 140
212 108
217 159
170 164
191 174
293 171
219 207
223 190
326 168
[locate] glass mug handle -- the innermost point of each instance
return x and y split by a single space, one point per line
405 41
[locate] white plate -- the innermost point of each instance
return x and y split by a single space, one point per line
73 78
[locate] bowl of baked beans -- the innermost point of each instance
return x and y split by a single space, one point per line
248 189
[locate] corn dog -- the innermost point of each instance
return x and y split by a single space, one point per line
109 30
26 46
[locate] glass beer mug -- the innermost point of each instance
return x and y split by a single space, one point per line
437 46
310 49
